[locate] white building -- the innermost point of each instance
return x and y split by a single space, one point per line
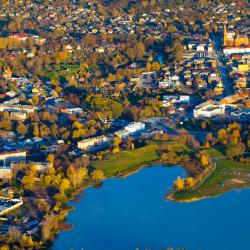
130 129
236 50
135 127
16 156
209 109
17 108
87 144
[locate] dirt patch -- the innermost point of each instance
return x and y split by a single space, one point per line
237 181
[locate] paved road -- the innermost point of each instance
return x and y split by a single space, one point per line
227 83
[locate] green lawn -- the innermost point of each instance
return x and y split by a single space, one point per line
128 160
228 175
64 71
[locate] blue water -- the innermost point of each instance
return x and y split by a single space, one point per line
125 214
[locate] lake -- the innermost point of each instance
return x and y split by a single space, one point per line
130 213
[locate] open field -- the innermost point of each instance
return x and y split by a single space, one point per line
228 175
64 71
128 160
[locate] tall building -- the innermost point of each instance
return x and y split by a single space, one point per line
228 38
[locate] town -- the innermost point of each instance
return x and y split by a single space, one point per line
83 81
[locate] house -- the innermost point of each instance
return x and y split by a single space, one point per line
20 37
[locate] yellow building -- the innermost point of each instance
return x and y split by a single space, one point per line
241 83
230 39
241 40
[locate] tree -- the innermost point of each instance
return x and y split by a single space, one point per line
189 182
49 226
117 141
50 158
14 234
140 50
22 129
65 184
72 175
204 159
115 150
235 150
97 174
156 66
179 183
222 136
28 181
170 157
35 99
148 66
35 130
235 136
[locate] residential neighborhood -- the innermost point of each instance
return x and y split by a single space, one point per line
82 83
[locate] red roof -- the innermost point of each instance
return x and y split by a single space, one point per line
19 35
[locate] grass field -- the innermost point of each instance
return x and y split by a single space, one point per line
128 160
65 70
228 175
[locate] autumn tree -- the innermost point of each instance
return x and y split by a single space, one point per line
22 129
189 182
97 174
222 136
204 159
179 183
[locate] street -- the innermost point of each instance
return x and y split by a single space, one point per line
227 83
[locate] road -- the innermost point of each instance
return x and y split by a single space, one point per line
227 83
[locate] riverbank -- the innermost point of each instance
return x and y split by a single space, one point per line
124 164
227 176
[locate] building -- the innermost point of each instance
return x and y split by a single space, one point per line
90 143
130 129
16 156
17 108
209 109
135 127
18 116
5 172
236 50
228 37
41 167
